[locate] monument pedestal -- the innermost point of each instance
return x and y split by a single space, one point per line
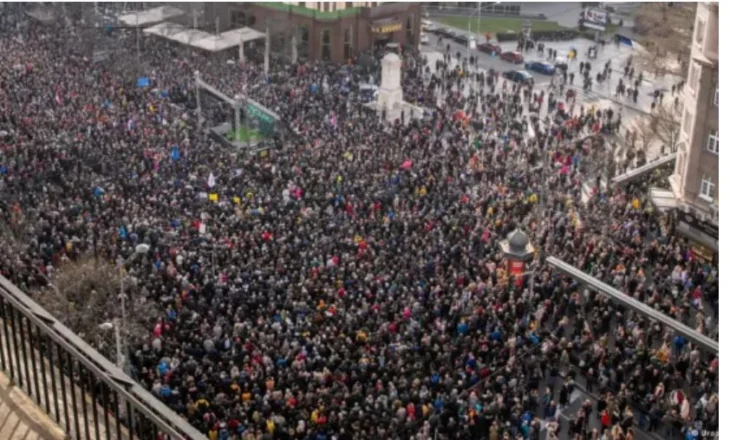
389 99
390 93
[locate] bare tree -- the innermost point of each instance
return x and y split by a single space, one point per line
665 30
645 132
666 122
84 294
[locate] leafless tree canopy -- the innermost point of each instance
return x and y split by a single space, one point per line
665 31
86 294
666 123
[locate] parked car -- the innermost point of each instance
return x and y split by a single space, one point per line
561 61
448 33
512 56
441 32
461 39
541 67
518 76
427 26
489 48
424 38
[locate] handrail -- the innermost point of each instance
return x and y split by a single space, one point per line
638 306
118 382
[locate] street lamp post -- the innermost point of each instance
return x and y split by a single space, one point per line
518 250
122 341
468 37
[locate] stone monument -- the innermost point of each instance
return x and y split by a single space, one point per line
390 92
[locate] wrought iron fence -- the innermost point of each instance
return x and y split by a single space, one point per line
84 393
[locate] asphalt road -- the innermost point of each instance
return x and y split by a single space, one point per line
601 95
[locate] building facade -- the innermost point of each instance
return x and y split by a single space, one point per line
336 31
695 182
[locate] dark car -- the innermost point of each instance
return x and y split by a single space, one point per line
440 31
512 57
489 48
518 76
541 67
448 33
461 39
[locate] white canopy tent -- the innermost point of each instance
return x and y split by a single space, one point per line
229 39
150 16
177 32
204 40
42 14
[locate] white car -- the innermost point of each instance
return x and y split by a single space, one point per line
424 38
427 25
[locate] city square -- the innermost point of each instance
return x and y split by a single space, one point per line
359 220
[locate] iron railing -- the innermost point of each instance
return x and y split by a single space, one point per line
84 393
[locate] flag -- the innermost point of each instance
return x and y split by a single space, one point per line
59 100
237 200
213 197
211 180
143 81
175 154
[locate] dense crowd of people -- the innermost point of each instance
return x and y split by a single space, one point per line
358 289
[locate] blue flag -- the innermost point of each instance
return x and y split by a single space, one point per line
175 154
143 81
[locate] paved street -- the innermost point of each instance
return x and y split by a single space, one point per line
601 93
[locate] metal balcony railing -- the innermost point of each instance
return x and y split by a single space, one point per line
84 393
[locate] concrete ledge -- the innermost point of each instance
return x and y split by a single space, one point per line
21 418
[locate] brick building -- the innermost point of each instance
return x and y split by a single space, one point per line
333 31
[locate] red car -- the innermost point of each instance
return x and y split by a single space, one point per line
489 48
512 57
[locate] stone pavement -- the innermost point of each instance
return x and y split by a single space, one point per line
21 419
57 412
618 55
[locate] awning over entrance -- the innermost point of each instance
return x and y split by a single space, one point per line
637 173
386 26
698 231
662 199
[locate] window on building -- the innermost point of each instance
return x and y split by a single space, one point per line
409 29
713 141
303 43
326 43
717 95
694 77
303 4
238 19
687 122
327 6
700 32
707 189
348 42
